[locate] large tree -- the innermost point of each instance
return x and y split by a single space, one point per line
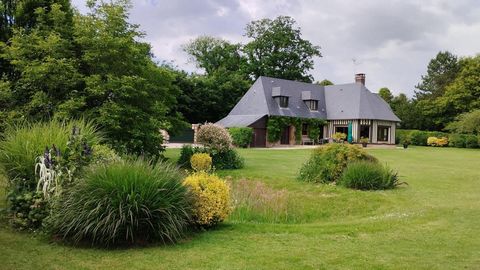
95 67
278 50
385 94
441 71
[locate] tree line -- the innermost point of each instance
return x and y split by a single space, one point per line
447 97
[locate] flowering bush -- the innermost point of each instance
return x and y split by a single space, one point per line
201 162
339 136
215 137
327 163
434 141
211 198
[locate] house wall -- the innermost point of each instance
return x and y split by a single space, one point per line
329 129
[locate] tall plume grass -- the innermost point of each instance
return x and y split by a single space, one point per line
254 201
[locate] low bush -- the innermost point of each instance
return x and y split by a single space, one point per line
229 159
367 175
123 203
457 140
440 142
211 198
241 136
339 136
214 137
327 163
471 141
419 137
201 162
27 209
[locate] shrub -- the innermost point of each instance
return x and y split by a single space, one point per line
27 209
327 163
211 198
419 137
125 202
366 175
201 162
214 137
241 136
102 154
434 141
401 135
457 140
220 160
471 141
227 160
339 136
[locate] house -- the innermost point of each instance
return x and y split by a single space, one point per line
347 108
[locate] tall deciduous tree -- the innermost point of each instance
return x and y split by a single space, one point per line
278 50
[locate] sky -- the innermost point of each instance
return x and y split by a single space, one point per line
390 41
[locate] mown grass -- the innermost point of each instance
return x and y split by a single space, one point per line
430 224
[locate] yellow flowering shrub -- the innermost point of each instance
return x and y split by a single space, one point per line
434 141
211 198
201 162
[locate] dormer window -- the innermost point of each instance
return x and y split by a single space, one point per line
283 101
312 104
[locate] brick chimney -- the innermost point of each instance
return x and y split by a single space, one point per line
360 78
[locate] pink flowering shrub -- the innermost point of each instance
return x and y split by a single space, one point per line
214 137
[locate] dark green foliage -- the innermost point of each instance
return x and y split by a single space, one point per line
241 136
26 209
385 94
457 140
419 137
278 50
124 203
327 163
276 124
366 175
468 123
471 141
229 159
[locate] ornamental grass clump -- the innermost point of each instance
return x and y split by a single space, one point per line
326 164
365 175
211 198
201 162
125 202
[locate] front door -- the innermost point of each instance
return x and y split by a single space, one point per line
285 139
259 137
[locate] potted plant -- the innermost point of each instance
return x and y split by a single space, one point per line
339 137
405 142
364 141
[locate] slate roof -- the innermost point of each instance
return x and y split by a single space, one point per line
335 102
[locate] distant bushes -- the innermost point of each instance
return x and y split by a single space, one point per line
436 138
326 164
367 175
241 136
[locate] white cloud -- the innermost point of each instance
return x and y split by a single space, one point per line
391 40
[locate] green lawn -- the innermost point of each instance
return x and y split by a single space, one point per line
433 223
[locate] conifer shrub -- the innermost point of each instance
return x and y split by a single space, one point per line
327 163
211 198
125 202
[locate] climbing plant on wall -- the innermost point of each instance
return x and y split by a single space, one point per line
275 125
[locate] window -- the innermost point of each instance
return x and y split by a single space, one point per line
382 133
312 105
304 129
283 101
343 130
365 131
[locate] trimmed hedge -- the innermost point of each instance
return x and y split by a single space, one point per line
241 136
419 137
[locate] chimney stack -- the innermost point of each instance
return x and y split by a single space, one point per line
360 78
